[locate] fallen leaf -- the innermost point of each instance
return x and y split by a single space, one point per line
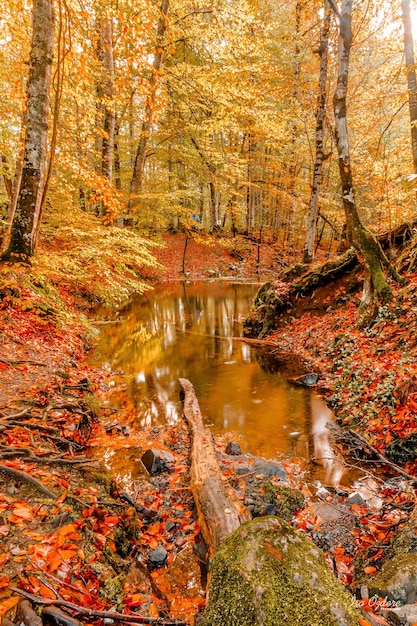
8 604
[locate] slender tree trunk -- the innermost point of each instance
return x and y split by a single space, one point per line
313 211
294 168
411 76
117 180
212 186
250 201
139 164
107 150
364 241
58 83
25 224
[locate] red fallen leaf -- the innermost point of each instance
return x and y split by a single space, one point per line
67 555
8 604
4 558
369 569
54 563
46 592
75 537
67 529
25 512
111 520
18 521
184 606
88 512
35 583
4 582
136 599
156 528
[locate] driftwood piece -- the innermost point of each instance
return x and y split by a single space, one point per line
219 510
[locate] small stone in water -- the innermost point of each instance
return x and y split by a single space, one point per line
233 448
156 460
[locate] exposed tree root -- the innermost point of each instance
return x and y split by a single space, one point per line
273 300
22 362
14 473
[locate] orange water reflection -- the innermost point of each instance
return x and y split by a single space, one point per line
187 330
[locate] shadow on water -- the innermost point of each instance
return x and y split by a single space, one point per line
187 330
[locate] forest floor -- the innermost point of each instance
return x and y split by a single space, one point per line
68 532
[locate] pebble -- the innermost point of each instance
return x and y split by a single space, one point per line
158 556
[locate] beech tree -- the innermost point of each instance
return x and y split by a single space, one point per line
375 260
308 252
411 76
26 220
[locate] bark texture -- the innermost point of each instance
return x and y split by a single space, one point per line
313 208
219 510
25 223
375 284
109 113
411 76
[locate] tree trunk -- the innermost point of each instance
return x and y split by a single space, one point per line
219 510
117 179
25 224
107 150
139 164
212 187
411 76
294 166
375 285
313 211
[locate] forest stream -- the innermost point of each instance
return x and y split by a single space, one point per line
190 330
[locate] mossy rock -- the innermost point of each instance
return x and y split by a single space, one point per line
285 500
266 573
397 579
405 541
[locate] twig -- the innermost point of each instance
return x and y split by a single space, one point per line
381 457
27 479
21 362
79 610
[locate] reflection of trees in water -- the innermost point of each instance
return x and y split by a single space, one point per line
324 452
178 332
272 360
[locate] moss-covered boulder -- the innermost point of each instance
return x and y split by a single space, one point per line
268 574
397 579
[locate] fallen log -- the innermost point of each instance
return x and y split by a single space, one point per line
263 571
219 510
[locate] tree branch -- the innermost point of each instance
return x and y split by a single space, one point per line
79 610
